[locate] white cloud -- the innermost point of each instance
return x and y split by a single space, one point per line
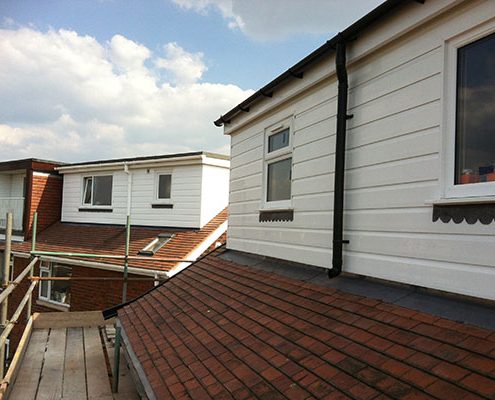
279 19
185 67
69 97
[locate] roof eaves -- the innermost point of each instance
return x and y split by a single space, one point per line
179 157
348 34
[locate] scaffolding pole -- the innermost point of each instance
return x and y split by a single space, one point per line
5 282
31 273
116 360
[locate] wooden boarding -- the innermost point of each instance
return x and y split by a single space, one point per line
50 386
69 320
74 382
97 375
26 383
65 363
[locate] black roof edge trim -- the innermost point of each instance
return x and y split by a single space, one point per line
348 34
150 158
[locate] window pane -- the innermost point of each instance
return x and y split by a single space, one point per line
61 289
278 140
102 191
475 125
88 183
278 182
164 184
44 285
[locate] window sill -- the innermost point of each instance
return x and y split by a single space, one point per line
276 215
95 209
53 305
162 205
471 210
462 201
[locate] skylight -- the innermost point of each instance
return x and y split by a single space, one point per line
156 244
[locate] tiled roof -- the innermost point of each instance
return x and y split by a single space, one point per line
223 330
110 239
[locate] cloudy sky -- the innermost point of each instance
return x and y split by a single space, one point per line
94 79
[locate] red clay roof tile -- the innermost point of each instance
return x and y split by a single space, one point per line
231 331
110 239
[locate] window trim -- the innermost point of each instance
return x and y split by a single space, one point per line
83 193
156 199
448 189
46 267
275 156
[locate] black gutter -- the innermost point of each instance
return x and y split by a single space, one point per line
295 71
339 173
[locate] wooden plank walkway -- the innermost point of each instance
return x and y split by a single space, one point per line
63 363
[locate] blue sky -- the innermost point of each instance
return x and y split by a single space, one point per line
93 79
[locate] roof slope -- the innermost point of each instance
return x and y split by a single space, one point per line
110 239
223 330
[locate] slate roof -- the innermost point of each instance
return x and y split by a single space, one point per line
110 239
223 330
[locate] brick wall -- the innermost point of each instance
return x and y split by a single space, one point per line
46 199
85 295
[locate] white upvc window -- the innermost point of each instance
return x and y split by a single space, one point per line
277 193
57 292
469 116
97 190
163 186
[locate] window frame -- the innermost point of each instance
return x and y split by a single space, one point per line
275 156
83 191
46 267
449 189
156 198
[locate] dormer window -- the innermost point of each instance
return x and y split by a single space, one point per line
97 190
156 244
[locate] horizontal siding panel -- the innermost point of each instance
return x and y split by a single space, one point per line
301 254
246 145
409 97
414 220
319 148
397 196
320 220
404 75
403 171
473 250
451 277
289 236
245 183
404 147
317 166
242 171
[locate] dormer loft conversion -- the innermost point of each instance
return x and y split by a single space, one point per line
176 190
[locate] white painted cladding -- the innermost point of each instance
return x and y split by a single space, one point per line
393 161
194 202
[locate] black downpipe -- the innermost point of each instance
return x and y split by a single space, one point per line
338 202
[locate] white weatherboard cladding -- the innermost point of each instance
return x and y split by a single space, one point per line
393 163
214 192
198 193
